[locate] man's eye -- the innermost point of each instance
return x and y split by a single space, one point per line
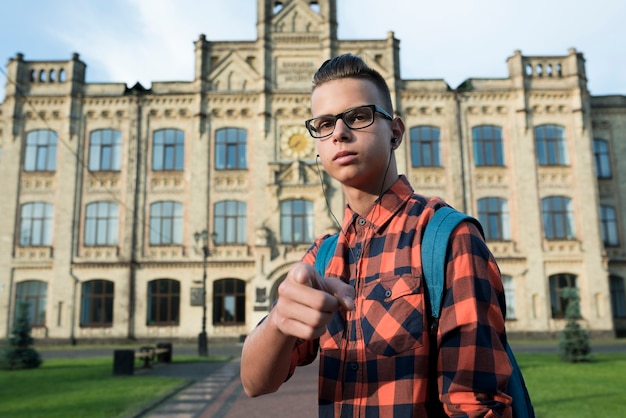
324 124
356 116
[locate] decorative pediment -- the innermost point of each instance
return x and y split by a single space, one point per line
234 74
296 173
297 17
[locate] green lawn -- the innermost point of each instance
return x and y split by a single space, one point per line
580 390
86 388
78 388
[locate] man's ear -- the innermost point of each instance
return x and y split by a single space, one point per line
397 131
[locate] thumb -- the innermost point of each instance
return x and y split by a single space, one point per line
342 291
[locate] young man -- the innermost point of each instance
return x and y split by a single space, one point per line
368 317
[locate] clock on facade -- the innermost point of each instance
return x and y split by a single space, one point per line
297 143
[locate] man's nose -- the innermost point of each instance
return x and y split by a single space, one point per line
341 132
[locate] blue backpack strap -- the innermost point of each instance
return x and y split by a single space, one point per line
434 249
325 253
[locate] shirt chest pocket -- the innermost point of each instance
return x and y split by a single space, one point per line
392 315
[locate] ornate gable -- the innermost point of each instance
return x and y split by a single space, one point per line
234 74
296 173
297 17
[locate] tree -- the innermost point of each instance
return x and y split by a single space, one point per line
19 354
574 345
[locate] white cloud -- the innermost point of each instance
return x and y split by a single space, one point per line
152 40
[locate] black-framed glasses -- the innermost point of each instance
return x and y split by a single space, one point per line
356 118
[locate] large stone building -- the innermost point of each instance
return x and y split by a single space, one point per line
118 200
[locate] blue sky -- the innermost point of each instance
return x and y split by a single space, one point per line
152 40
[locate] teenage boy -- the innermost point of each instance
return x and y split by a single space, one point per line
368 317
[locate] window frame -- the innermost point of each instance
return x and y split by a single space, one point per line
108 222
617 290
558 219
40 154
558 282
230 222
43 222
168 150
602 158
488 146
493 214
296 221
425 138
159 299
229 289
97 303
38 292
609 227
105 150
231 145
551 145
172 221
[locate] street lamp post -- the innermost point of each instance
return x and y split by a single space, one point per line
203 343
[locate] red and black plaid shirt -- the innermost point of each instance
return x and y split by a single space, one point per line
374 361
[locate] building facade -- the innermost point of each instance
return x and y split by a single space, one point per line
135 213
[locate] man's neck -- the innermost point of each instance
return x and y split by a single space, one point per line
360 201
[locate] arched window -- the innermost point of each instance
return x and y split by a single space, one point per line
558 217
229 302
296 221
558 283
425 146
36 224
97 303
41 150
105 150
163 302
493 214
602 158
166 223
34 294
488 148
168 151
230 222
550 145
101 223
230 149
618 296
509 295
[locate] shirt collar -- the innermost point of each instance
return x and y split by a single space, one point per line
379 213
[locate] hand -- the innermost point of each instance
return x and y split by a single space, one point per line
307 302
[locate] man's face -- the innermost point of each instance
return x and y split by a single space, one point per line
356 158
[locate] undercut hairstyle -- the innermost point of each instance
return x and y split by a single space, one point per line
352 66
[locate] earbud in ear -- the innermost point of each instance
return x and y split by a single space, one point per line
394 140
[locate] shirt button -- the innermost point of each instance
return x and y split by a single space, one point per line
354 366
362 221
388 293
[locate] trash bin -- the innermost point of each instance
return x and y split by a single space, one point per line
123 362
165 357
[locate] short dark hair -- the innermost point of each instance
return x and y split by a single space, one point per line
352 66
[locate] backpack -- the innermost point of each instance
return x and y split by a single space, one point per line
433 251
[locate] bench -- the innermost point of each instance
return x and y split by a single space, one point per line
124 360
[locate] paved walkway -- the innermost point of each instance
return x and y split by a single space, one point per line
214 390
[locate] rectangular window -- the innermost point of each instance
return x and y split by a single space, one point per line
488 149
168 150
425 146
101 223
36 224
166 223
105 150
41 151
230 149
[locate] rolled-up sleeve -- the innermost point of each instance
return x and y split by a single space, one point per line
473 364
